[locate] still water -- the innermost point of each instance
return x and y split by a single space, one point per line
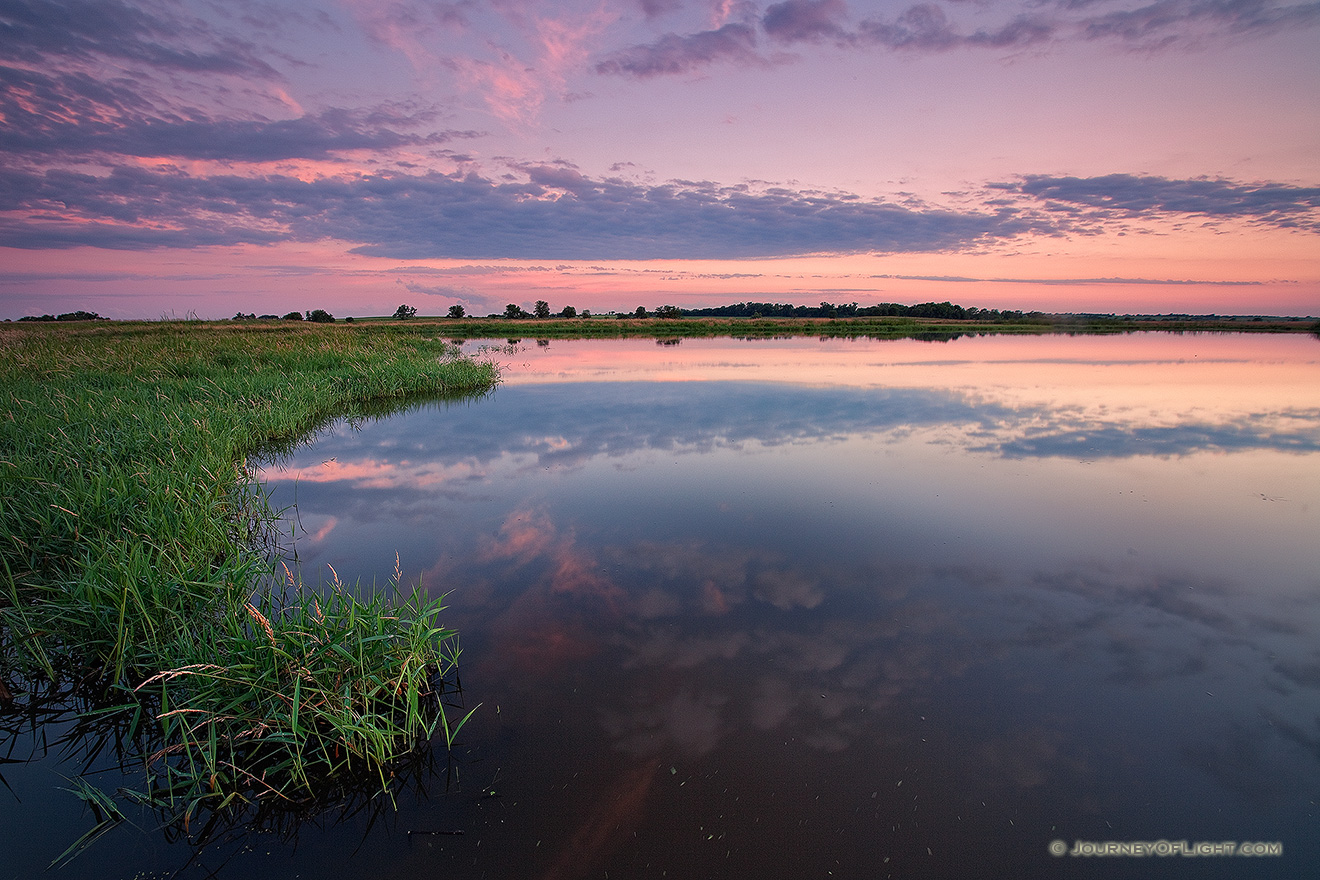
831 608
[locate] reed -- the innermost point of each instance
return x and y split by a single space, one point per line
306 690
129 557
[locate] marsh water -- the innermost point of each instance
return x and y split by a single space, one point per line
827 608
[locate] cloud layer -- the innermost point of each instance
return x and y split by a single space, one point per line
554 212
936 27
150 125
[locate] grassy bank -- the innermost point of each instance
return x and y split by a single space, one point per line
127 528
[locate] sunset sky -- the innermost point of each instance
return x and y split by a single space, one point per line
167 158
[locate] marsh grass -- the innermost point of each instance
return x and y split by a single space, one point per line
129 525
312 689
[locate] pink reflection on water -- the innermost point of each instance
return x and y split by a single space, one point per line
551 622
1151 377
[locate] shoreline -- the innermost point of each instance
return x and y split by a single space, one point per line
606 327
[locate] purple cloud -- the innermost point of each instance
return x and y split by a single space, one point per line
32 31
1133 195
554 215
925 27
805 20
928 27
657 8
558 213
675 54
73 114
1169 22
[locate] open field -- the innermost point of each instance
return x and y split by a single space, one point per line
131 553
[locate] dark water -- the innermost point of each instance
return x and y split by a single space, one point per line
833 609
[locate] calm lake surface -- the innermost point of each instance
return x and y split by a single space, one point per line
828 608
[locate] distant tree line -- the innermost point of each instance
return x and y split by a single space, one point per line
67 316
945 310
541 310
942 310
939 310
316 316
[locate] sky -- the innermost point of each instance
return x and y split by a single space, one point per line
186 158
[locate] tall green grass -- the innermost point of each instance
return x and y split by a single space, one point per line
305 691
129 525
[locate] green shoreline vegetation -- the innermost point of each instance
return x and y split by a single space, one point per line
752 320
135 584
928 320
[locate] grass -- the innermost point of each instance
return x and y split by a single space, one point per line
346 685
130 562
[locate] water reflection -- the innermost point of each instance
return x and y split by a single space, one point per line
913 463
732 623
850 609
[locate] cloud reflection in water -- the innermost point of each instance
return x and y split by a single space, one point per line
874 579
569 425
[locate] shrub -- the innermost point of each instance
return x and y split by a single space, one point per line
293 316
320 316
